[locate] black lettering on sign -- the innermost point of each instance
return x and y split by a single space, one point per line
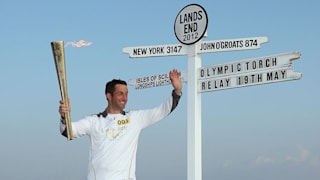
215 84
251 43
190 36
276 75
142 80
140 51
221 45
191 17
191 27
173 49
145 85
163 76
163 82
249 79
261 63
156 50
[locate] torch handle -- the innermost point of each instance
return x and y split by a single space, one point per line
58 55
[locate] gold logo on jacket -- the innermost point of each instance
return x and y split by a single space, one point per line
123 121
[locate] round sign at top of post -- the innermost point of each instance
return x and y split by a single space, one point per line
191 24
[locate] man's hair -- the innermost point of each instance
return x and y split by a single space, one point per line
110 86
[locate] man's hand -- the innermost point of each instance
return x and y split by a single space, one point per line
63 109
174 76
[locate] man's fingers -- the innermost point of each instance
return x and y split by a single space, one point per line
174 74
63 108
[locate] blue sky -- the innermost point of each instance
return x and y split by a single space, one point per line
259 132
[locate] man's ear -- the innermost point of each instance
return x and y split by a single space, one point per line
108 96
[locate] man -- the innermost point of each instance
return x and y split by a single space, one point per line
114 133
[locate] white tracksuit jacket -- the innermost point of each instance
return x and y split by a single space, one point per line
114 139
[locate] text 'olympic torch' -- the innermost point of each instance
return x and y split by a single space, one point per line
58 55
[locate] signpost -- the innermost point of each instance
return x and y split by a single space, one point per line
155 80
231 44
190 26
203 47
157 50
269 69
248 79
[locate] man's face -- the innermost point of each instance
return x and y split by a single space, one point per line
119 98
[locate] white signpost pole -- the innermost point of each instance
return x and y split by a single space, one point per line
194 116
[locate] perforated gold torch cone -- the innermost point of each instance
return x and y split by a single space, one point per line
59 60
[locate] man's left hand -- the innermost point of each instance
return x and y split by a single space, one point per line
176 81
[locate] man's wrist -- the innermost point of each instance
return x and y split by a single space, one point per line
176 93
63 120
179 93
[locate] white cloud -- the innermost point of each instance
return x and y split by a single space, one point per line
227 163
264 160
304 155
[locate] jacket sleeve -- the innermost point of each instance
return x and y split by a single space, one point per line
79 128
150 116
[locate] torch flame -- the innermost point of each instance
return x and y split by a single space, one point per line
78 44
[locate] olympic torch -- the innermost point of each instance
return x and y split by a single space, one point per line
59 60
